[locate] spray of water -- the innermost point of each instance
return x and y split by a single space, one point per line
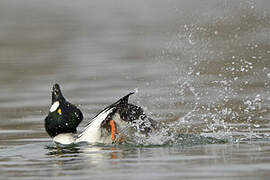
222 76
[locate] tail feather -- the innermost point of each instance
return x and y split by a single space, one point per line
124 100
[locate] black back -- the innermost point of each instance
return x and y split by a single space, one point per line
130 113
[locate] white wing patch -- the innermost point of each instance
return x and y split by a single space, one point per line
54 106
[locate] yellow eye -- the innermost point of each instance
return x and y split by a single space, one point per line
59 111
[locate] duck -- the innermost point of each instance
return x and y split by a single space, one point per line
107 125
105 128
63 118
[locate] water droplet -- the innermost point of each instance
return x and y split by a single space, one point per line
136 90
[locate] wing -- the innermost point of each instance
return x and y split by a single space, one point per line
92 132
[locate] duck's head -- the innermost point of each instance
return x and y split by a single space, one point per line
63 117
57 94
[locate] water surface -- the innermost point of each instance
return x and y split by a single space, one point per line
199 67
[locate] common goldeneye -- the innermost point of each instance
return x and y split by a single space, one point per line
105 127
63 119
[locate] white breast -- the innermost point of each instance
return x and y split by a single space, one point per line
65 138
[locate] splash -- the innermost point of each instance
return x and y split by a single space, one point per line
163 136
226 82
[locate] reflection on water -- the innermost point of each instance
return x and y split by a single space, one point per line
244 161
200 68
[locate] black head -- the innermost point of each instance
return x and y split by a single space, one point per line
57 94
63 116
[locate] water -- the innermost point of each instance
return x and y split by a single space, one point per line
200 68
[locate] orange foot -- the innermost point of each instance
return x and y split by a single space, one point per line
113 129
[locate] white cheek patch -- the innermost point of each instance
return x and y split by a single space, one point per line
54 106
